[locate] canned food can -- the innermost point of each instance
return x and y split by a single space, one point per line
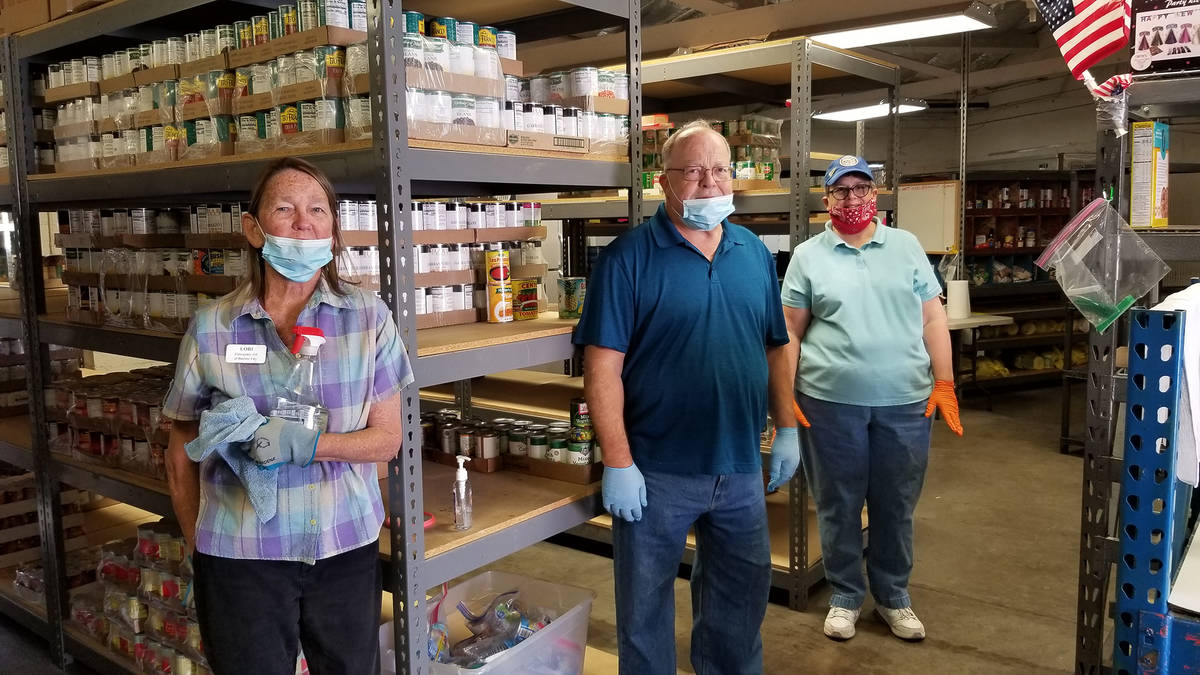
358 111
538 441
437 54
261 29
525 299
485 36
518 442
208 43
243 31
463 110
439 107
539 89
531 117
512 88
433 217
621 86
571 295
358 15
466 33
274 25
559 86
335 13
585 81
604 83
487 112
499 302
308 14
475 216
261 78
442 27
414 50
493 212
580 415
456 219
289 19
289 119
158 55
330 61
487 64
226 37
466 441
556 447
506 44
462 59
326 114
414 22
568 125
285 70
579 453
306 65
496 264
512 215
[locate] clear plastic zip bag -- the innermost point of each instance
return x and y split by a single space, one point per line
1102 264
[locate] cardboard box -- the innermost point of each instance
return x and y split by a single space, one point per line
509 234
206 150
453 133
1156 46
310 139
512 67
253 102
600 104
19 15
754 140
330 87
61 8
463 84
65 131
72 92
158 156
531 140
118 162
215 240
200 109
747 184
443 236
153 118
581 474
77 165
152 75
477 464
202 66
289 44
440 319
360 238
445 278
119 83
1148 174
358 85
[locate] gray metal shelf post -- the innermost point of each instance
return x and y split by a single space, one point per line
29 254
394 192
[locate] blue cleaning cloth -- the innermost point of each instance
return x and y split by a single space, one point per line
224 430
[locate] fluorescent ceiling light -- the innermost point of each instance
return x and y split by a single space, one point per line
867 112
975 16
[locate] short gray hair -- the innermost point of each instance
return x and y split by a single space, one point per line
691 129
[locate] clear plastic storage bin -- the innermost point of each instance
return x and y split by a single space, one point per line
557 649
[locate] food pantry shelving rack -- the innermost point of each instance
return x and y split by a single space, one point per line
392 169
1101 542
770 71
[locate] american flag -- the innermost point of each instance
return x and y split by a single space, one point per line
1112 86
1087 31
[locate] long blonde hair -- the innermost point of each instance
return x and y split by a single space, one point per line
253 282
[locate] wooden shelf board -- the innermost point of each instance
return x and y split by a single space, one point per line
1017 375
139 480
505 150
15 430
523 392
502 499
433 341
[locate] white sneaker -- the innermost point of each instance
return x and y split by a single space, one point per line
839 623
903 622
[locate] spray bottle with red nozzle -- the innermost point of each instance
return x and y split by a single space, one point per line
298 400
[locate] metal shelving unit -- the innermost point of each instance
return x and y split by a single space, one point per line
1100 543
784 68
389 167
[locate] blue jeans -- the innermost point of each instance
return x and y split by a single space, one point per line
877 455
731 576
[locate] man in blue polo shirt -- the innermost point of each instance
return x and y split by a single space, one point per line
866 323
683 329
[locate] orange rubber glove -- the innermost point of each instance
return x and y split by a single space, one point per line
800 415
944 400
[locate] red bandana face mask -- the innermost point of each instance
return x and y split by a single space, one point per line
852 219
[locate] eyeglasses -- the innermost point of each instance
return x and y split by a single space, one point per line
842 192
720 173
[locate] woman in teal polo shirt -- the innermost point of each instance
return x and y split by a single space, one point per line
862 307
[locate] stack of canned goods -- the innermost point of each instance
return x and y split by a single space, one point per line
360 263
564 442
357 215
443 215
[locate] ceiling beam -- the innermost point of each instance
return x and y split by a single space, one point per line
707 6
908 64
708 30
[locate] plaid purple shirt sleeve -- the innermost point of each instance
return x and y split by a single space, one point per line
393 371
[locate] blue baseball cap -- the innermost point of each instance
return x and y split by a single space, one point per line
844 165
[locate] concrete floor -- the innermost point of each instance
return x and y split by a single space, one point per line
997 541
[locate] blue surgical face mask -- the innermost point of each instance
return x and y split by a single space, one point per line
706 214
296 259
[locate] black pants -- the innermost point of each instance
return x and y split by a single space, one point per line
255 614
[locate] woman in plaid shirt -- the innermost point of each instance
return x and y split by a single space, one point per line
309 574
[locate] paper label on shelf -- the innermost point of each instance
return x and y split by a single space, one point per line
246 354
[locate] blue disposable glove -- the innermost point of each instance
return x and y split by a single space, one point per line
279 442
624 492
785 456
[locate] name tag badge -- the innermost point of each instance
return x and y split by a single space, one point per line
246 354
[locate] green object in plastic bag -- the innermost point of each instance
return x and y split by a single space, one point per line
1109 312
